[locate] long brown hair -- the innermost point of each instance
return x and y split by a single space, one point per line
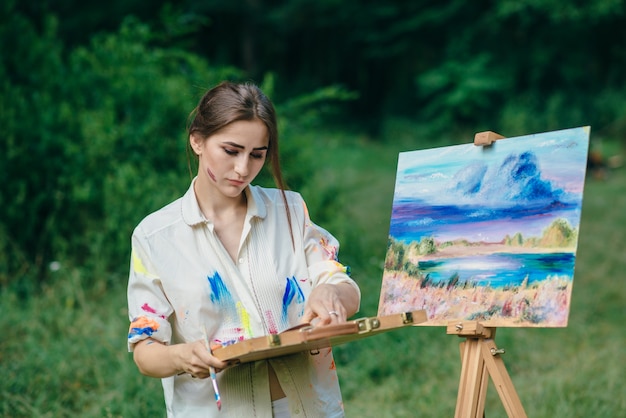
230 102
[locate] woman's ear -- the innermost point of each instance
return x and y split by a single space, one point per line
196 142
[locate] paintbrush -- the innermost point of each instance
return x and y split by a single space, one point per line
218 400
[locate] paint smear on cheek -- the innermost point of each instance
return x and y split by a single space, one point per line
210 174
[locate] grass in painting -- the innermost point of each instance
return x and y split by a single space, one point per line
510 301
544 303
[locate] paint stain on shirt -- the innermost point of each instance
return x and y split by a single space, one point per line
245 319
150 309
143 326
292 291
139 267
331 250
221 296
219 292
271 324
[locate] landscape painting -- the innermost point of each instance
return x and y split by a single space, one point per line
487 233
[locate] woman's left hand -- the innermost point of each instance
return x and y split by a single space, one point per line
331 304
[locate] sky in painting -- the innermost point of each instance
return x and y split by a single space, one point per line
484 193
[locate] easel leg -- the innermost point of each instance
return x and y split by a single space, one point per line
480 358
502 381
474 380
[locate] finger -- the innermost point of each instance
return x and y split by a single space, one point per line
337 315
334 317
327 317
308 316
206 358
216 364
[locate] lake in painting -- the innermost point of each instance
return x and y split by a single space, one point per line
487 233
500 270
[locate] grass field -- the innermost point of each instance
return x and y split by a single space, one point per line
63 350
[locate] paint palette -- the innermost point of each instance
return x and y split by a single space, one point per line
306 338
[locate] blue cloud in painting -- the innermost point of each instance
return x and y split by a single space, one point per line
482 195
522 178
469 179
517 180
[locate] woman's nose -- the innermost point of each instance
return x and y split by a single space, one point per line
241 166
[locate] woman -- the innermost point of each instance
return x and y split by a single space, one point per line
235 261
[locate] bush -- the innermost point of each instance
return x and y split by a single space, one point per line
95 140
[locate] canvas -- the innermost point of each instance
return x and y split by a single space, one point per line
487 233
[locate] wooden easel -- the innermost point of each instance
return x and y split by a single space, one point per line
480 358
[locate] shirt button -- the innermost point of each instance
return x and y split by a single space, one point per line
296 411
241 261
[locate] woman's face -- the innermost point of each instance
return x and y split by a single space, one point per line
231 158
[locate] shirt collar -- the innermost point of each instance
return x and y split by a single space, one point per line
192 215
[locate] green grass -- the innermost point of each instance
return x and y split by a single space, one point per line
63 350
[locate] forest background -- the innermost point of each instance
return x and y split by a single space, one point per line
94 101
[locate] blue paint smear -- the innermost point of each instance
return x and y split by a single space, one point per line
140 331
219 291
292 290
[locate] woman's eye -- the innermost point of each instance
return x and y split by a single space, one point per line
234 152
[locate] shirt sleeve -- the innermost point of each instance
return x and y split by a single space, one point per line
322 253
148 307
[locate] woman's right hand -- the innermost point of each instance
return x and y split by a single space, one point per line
155 359
196 360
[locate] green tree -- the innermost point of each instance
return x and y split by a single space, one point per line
427 246
94 140
516 66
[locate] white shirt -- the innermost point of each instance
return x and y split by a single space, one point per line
183 280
